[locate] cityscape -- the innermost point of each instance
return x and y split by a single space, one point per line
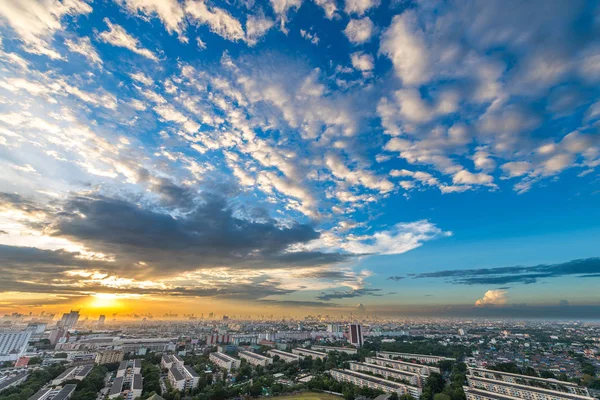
300 199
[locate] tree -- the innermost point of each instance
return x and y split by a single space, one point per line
441 396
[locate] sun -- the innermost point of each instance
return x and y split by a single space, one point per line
104 300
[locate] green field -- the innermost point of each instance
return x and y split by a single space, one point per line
310 396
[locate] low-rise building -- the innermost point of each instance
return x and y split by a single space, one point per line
409 356
409 377
73 373
255 359
374 382
520 391
224 361
420 369
309 353
327 349
62 393
11 380
283 355
109 357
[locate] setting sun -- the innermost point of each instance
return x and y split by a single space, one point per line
104 300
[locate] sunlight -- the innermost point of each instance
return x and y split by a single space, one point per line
104 300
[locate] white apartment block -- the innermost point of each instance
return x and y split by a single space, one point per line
374 382
169 360
327 349
180 376
129 367
224 361
128 386
520 391
408 356
309 353
13 344
553 384
420 369
410 377
284 355
62 393
73 373
255 359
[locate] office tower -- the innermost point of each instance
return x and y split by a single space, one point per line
69 320
356 337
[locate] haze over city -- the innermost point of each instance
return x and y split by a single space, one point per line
291 157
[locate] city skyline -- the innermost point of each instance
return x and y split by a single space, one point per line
295 157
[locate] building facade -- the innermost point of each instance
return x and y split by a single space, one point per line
373 382
13 344
255 359
284 355
420 369
355 335
224 361
309 353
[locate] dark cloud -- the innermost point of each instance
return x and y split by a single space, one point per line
297 303
395 278
589 267
349 294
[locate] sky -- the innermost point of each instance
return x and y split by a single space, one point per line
288 157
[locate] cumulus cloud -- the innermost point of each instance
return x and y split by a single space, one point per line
117 36
256 27
493 298
218 20
362 61
359 31
170 12
359 6
281 9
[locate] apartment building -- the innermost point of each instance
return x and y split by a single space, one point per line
129 380
62 393
418 357
553 384
373 382
169 360
409 377
420 369
327 349
284 355
255 359
109 357
9 380
129 367
73 373
355 336
224 361
13 344
520 391
309 353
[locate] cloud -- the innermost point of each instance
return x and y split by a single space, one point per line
218 20
329 6
517 274
349 294
256 27
84 47
493 298
359 6
361 61
170 12
36 21
395 278
359 31
281 9
117 36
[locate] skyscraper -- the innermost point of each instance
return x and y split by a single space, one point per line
355 335
101 320
69 320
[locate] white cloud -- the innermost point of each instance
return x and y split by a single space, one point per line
311 37
117 36
358 176
465 177
36 21
142 78
359 6
359 31
218 20
403 42
170 12
256 27
516 168
362 61
329 6
401 238
200 43
84 47
493 297
282 7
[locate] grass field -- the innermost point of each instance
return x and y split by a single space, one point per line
310 396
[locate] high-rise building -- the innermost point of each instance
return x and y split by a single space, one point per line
101 320
13 344
69 320
355 335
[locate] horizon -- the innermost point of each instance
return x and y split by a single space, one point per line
296 157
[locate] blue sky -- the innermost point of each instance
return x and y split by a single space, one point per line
298 154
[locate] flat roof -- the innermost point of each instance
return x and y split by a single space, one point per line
137 382
284 353
554 393
85 370
13 379
485 393
176 357
382 359
123 365
223 357
552 381
334 348
117 386
137 363
416 355
316 353
396 371
65 373
65 392
39 394
176 374
253 355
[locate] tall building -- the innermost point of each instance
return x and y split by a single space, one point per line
101 320
69 320
355 335
13 344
